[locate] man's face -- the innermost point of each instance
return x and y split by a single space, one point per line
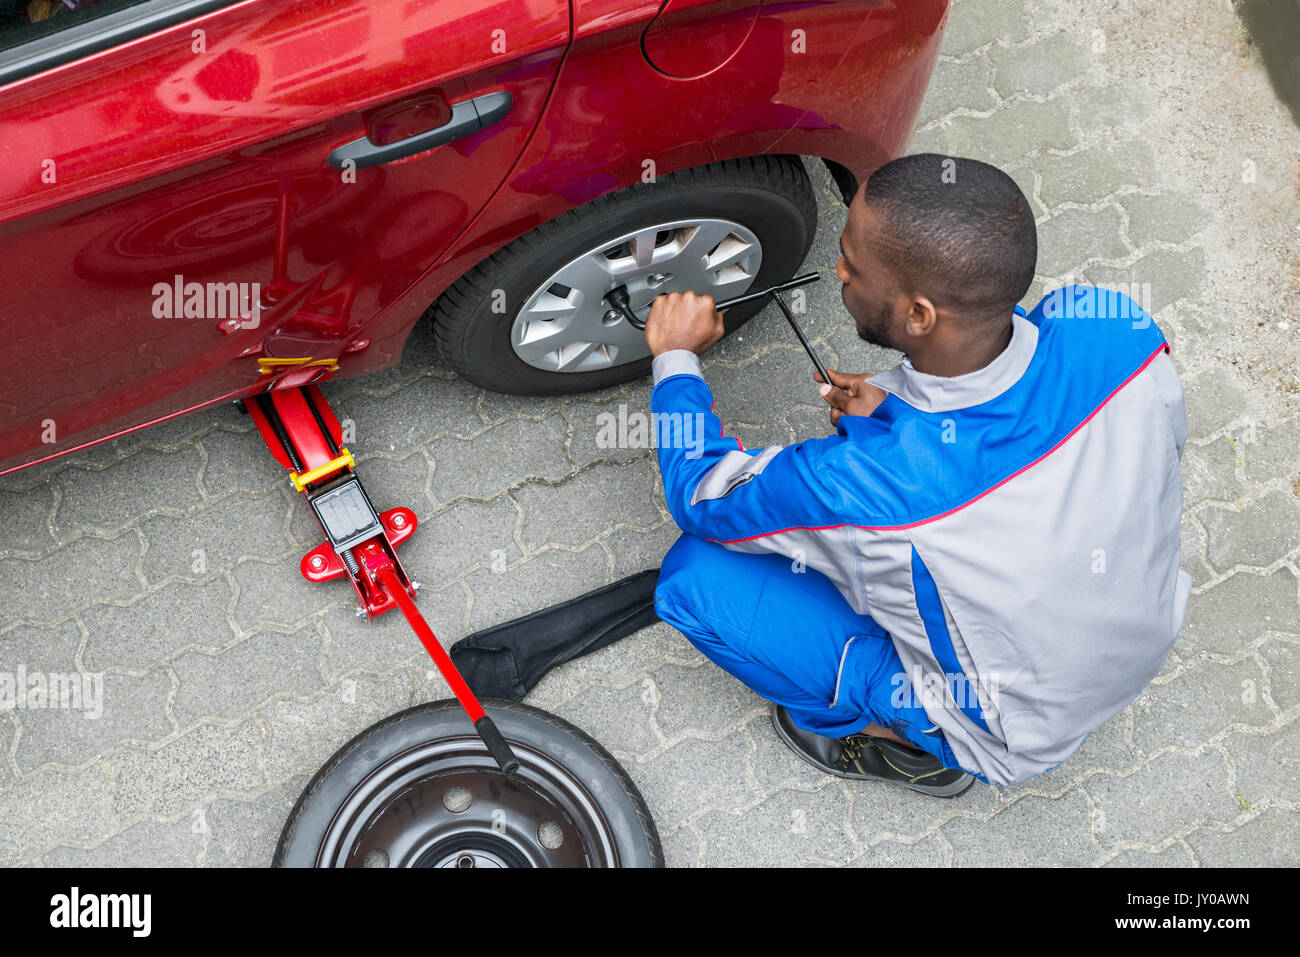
871 293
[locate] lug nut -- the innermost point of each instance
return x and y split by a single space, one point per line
398 520
317 562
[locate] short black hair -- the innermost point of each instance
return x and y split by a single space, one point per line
959 231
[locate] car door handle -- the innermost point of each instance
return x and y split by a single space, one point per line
467 116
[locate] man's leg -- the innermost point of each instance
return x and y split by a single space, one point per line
788 635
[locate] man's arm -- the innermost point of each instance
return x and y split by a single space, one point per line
717 490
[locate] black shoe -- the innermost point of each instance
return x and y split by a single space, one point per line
861 757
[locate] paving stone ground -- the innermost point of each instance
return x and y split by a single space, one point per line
1154 153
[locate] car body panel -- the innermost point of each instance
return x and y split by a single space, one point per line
358 265
210 166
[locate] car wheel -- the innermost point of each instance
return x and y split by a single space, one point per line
530 319
419 789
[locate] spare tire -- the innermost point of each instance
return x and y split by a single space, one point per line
419 789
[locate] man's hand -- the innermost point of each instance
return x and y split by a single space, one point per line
850 394
683 320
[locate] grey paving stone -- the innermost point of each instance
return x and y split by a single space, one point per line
1270 840
672 786
1041 67
964 83
497 406
621 720
1239 609
502 457
1271 451
387 642
7 731
303 734
25 519
56 807
239 460
195 547
625 495
139 485
1090 175
682 847
552 576
705 699
1162 278
636 551
607 432
1006 137
147 844
1267 766
1173 856
1263 531
776 766
278 595
1283 660
788 828
1032 832
40 649
1192 539
1112 107
150 630
425 409
102 711
809 422
1203 700
233 682
204 760
1164 218
882 810
69 578
1074 236
977 23
245 833
1171 792
1213 401
929 852
455 539
1209 472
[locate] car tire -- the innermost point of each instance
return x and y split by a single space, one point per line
388 792
770 196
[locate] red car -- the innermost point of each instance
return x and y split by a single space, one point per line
201 200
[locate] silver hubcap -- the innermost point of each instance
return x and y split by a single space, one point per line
566 326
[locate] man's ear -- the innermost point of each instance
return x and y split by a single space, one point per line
922 317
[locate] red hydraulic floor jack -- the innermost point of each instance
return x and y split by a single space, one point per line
305 437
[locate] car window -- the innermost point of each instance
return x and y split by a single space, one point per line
36 35
25 20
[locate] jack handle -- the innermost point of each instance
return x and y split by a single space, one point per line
486 728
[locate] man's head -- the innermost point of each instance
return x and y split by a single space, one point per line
936 252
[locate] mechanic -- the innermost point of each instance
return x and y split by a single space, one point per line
981 565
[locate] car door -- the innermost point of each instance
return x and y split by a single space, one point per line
197 196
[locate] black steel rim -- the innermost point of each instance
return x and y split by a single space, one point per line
447 804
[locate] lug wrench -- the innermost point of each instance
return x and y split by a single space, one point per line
618 299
